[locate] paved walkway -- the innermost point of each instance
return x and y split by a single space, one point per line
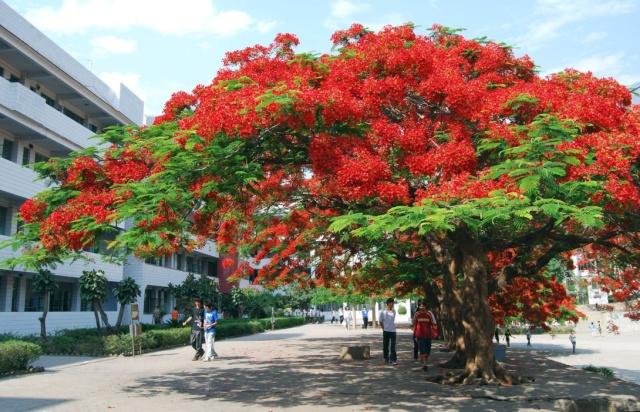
297 369
620 353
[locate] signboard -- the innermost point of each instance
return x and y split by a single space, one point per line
135 314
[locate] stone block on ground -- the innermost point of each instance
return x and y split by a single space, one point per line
355 353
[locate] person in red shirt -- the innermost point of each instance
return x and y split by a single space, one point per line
422 330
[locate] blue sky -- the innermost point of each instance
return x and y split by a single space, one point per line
157 47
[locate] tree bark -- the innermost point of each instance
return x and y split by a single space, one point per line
120 316
45 312
104 317
94 303
452 308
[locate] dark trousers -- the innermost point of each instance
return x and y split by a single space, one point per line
365 323
197 339
389 346
415 347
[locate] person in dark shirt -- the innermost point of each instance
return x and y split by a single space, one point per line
197 331
507 337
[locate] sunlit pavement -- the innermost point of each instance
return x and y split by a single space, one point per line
620 353
298 369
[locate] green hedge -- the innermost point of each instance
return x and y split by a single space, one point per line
17 355
89 342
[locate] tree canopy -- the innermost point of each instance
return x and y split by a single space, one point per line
399 161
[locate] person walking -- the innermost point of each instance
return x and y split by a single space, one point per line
365 318
333 316
175 314
497 334
572 339
423 330
157 316
197 323
599 329
341 310
592 329
507 337
529 337
388 323
210 322
347 318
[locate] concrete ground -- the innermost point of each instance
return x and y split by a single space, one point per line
620 353
297 369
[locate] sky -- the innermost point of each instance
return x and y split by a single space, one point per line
157 47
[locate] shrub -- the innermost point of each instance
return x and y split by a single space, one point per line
606 372
402 310
17 355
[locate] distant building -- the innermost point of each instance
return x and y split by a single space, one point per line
50 105
586 269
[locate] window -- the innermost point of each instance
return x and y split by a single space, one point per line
212 268
48 100
4 221
151 261
40 157
93 128
180 261
33 299
15 295
62 299
1 71
72 116
14 79
191 267
26 156
7 149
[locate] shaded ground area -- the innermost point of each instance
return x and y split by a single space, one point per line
298 369
620 353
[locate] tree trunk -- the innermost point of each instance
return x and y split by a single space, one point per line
452 322
94 304
43 318
104 317
120 316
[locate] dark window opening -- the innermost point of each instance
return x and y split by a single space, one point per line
4 221
72 115
7 149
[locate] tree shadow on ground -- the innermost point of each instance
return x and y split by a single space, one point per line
28 404
307 373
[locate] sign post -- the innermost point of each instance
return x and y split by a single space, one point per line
135 329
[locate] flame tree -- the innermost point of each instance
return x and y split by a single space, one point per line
446 156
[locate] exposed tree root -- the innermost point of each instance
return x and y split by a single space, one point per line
498 376
457 361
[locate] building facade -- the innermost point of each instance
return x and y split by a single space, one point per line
50 105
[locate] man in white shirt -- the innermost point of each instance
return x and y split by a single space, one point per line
388 323
347 317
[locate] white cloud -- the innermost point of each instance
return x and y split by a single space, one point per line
602 65
113 44
607 65
131 80
594 37
344 9
168 17
266 26
553 15
342 12
394 19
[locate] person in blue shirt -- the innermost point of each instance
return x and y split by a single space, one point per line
210 322
365 318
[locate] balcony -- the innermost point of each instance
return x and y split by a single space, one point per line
112 271
38 118
19 180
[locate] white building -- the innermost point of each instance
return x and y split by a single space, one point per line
586 269
50 104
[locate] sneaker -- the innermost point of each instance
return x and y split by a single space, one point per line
195 357
394 363
425 368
